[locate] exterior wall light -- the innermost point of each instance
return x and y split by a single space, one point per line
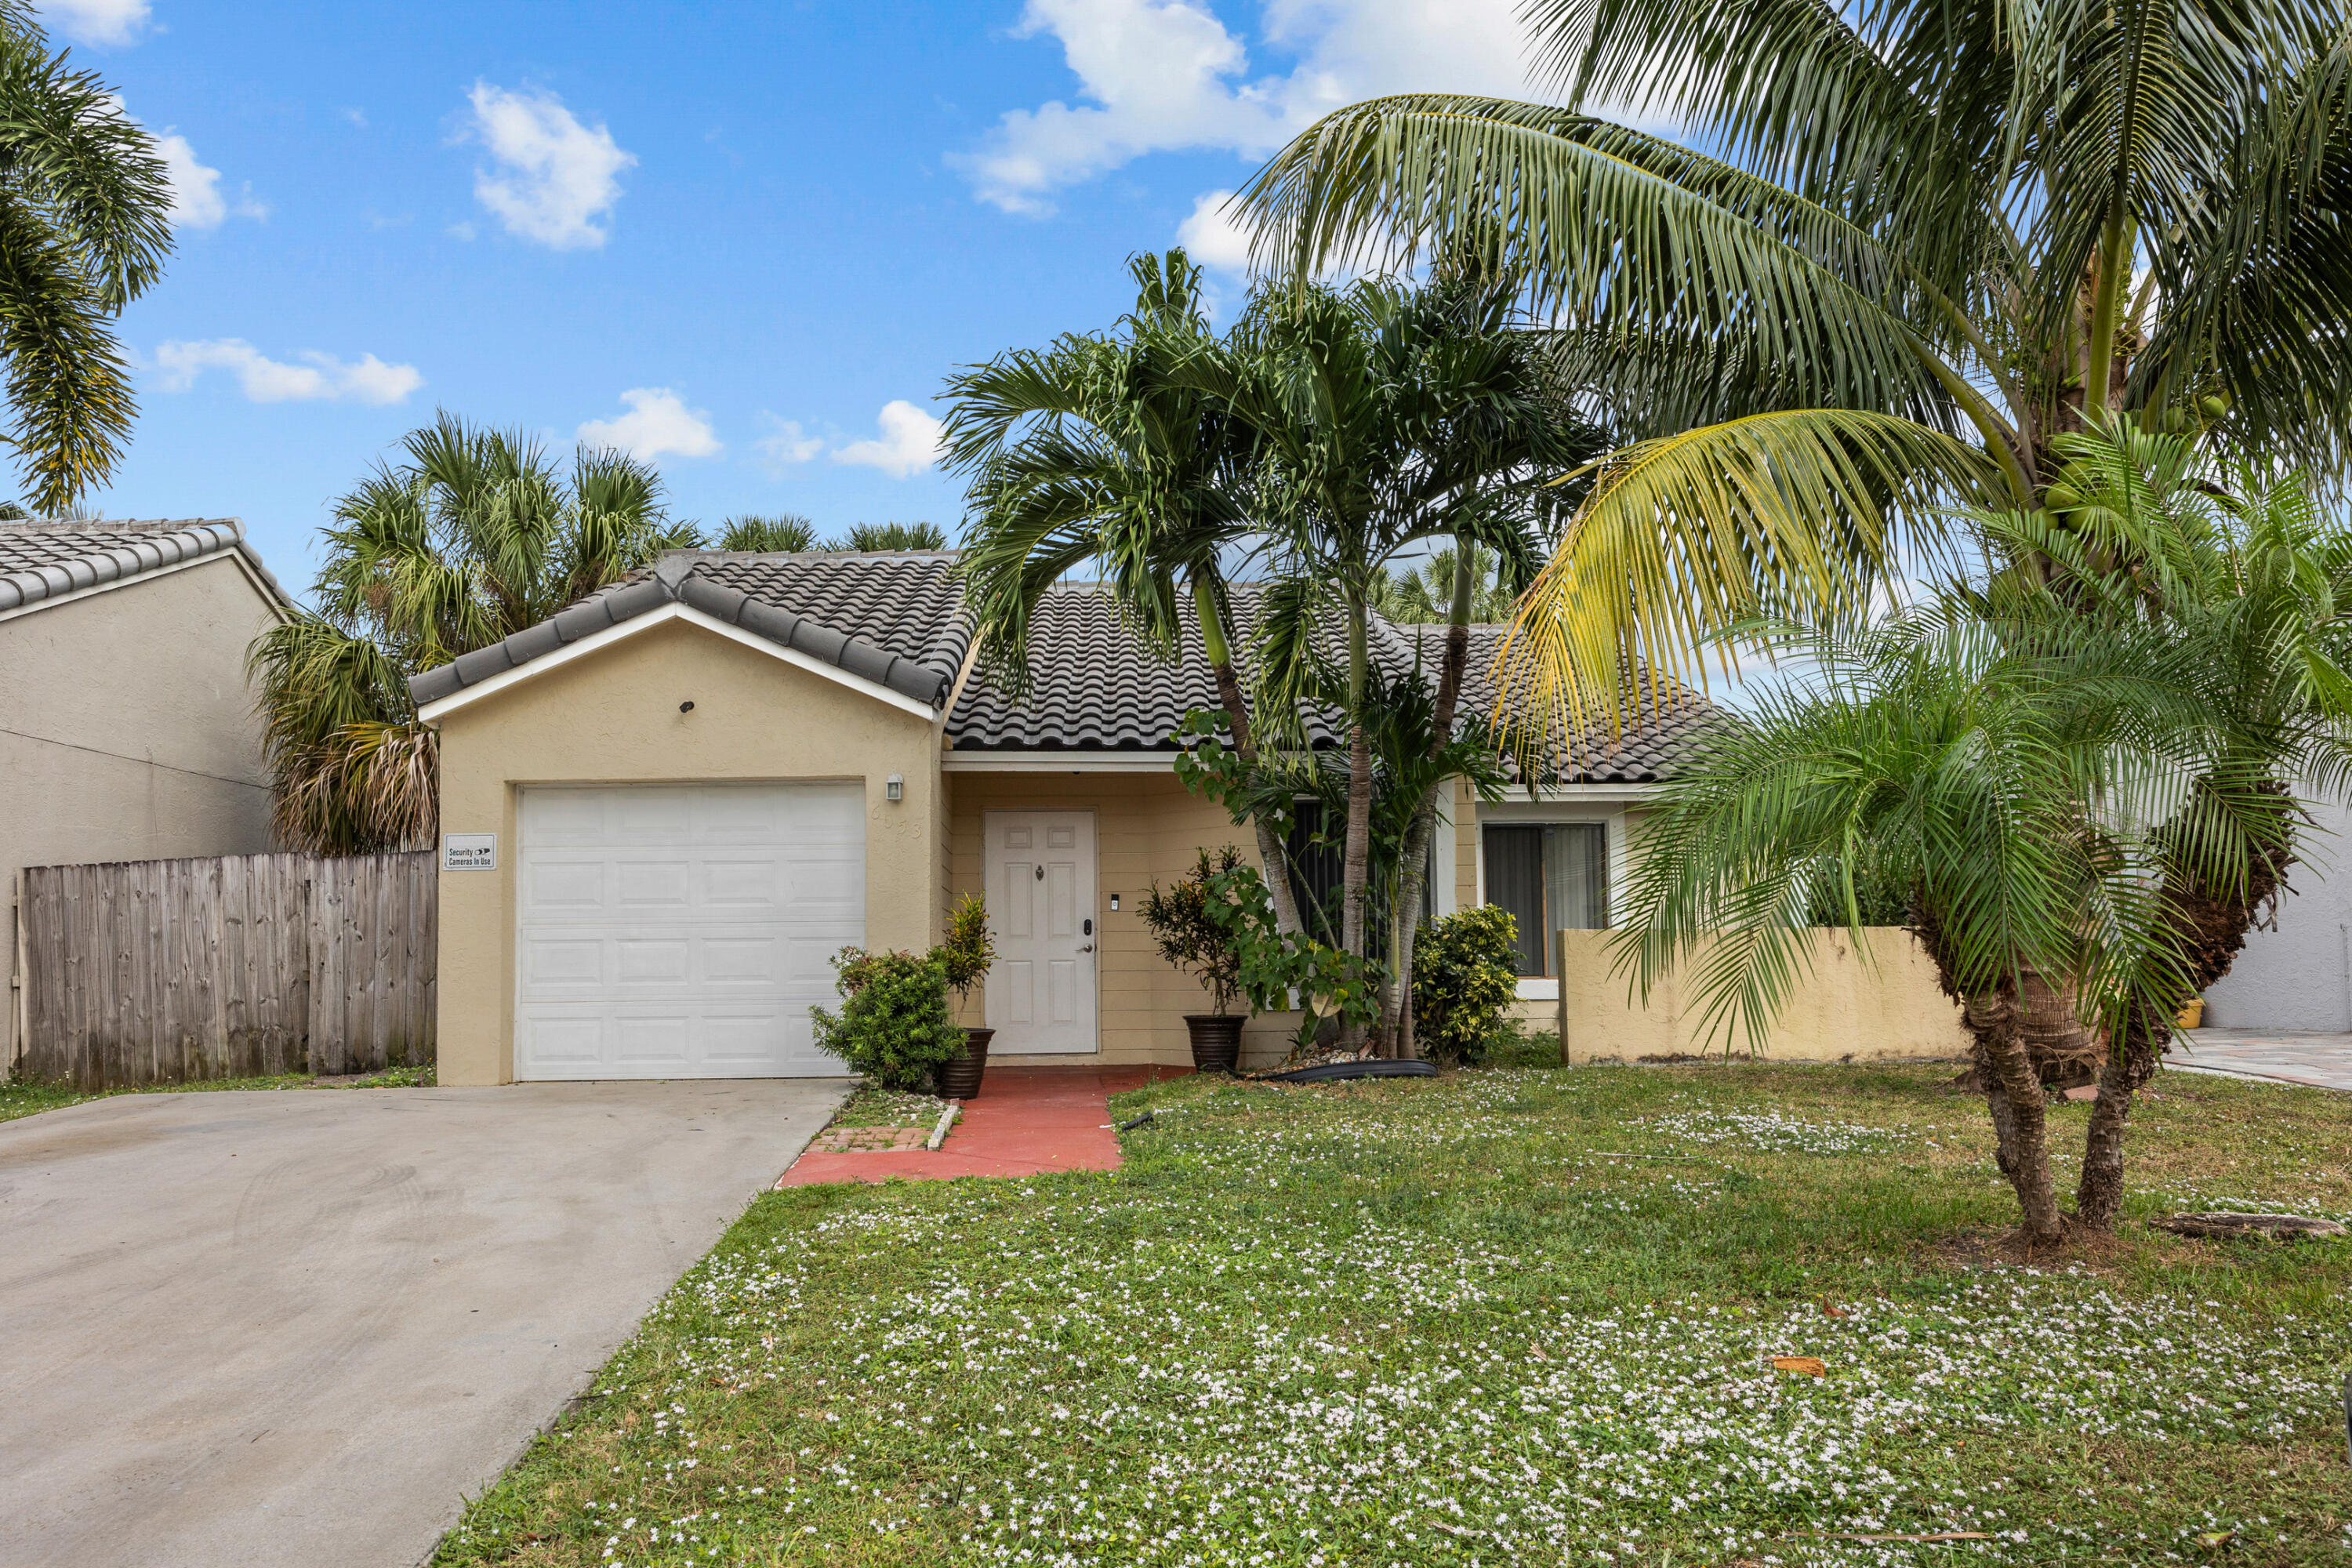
894 789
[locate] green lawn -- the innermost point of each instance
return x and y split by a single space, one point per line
1520 1316
20 1097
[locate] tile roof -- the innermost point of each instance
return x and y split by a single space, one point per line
1097 686
42 558
890 618
897 618
1655 734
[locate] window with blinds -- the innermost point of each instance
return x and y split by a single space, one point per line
1550 876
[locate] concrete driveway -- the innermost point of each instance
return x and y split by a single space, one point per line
299 1327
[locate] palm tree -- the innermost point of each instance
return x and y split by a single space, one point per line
1089 451
85 229
473 537
887 536
1383 417
1937 237
788 534
2081 775
1423 594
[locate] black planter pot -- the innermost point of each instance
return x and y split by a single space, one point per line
960 1074
1216 1040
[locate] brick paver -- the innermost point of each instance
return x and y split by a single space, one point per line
1024 1121
2317 1061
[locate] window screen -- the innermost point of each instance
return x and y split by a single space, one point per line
1550 876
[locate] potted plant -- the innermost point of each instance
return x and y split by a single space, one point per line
965 958
1180 922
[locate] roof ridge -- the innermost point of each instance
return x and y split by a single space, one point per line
155 546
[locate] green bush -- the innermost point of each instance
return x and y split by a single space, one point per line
894 1025
1189 938
1465 980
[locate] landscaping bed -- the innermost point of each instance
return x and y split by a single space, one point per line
1508 1316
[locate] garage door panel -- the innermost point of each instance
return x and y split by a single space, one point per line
559 885
679 932
564 962
559 1039
653 961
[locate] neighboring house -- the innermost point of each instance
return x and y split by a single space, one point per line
127 731
2297 973
685 793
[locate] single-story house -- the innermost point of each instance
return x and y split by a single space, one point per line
127 731
665 810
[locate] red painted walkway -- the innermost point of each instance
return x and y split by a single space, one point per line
1024 1121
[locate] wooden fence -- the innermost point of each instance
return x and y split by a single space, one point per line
174 971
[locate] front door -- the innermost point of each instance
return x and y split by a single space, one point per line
1041 902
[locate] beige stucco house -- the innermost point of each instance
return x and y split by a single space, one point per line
127 731
665 810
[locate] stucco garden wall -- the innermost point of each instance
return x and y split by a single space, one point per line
1874 1005
612 716
127 731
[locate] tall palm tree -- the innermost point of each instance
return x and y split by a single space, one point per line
1422 594
1383 417
1933 237
1088 450
85 226
475 536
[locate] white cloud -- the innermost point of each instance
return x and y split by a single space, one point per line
1210 236
785 445
96 21
909 442
1160 75
320 378
658 423
555 177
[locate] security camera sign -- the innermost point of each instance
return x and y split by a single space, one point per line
469 852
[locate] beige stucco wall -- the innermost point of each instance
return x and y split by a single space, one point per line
127 731
1147 829
612 716
1883 1002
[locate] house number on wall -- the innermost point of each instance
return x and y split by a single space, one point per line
469 852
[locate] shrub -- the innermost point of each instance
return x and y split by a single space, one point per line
894 1025
1178 920
1464 978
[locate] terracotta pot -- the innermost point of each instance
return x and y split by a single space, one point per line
960 1074
1216 1040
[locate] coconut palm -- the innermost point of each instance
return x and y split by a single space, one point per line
474 536
85 229
1933 238
1088 451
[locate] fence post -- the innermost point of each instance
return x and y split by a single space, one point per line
1559 969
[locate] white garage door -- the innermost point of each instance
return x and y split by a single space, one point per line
682 930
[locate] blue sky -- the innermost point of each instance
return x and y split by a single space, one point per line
749 240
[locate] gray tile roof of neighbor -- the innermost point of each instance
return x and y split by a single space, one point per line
44 558
1656 734
890 618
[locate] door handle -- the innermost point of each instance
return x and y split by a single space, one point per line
1088 948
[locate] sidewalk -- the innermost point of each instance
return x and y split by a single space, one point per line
1025 1122
2316 1061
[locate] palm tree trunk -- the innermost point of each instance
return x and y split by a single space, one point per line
1273 857
2014 1095
2209 932
1355 882
1414 873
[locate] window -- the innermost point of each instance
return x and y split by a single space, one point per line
1319 870
1550 876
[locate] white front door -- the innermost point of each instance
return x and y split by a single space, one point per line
683 930
1041 904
